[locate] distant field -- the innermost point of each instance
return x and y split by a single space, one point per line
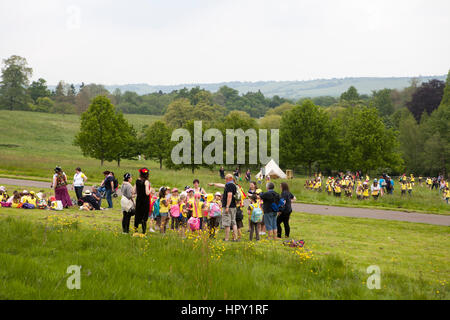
33 143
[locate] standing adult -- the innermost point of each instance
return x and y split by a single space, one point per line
60 186
197 188
270 217
229 208
222 173
248 175
263 172
283 217
79 179
127 203
108 186
142 191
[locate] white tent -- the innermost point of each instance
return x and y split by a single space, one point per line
272 170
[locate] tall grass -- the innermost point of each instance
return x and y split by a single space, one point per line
35 257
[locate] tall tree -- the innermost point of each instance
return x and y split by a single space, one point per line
382 100
98 130
426 98
304 135
125 145
38 89
155 142
366 143
13 87
350 95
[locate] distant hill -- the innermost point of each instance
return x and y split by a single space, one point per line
289 89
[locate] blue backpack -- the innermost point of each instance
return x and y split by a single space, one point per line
257 215
156 208
279 206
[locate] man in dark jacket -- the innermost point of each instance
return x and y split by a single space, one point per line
270 217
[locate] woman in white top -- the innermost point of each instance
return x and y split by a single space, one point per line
78 182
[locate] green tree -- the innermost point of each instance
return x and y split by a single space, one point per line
411 141
38 89
350 95
44 104
305 135
382 100
98 132
366 143
178 113
155 142
125 145
13 87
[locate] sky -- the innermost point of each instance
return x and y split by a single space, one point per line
171 42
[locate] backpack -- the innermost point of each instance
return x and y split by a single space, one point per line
194 223
28 206
116 183
279 204
156 208
237 195
6 204
214 210
175 211
257 215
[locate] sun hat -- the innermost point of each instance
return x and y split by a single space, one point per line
25 191
2 189
218 194
174 190
87 192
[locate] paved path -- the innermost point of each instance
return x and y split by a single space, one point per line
311 208
437 219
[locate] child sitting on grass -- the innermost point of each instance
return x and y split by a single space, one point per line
3 194
15 200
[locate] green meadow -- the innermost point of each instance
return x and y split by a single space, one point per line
37 246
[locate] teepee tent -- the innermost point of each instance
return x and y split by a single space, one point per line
272 170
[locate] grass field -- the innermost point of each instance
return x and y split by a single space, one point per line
35 143
37 246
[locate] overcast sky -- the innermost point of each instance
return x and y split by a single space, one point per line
193 41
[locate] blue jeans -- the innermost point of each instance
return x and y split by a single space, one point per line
270 221
109 198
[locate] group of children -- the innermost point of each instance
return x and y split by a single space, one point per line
347 184
196 210
27 200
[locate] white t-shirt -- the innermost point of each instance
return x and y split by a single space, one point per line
78 179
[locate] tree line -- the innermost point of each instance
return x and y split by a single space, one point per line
390 130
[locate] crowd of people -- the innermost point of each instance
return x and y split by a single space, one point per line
349 183
193 209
